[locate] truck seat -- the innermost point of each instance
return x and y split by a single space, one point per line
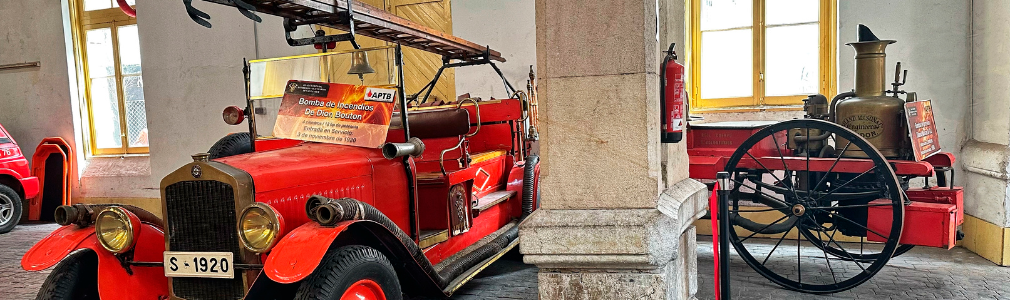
437 123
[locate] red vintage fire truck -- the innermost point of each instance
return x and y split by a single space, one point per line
16 182
275 218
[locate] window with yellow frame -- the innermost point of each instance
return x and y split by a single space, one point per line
761 54
107 46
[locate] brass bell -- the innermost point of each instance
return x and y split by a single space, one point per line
359 64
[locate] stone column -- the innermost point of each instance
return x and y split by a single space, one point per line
615 219
985 158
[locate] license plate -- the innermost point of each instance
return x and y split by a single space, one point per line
199 264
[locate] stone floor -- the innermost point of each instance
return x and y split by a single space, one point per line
923 273
508 278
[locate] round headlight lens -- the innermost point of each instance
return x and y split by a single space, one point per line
259 227
116 229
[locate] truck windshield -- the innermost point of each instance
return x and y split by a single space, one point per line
269 77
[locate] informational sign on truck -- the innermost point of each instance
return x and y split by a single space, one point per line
335 113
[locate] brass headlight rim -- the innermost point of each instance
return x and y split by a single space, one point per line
276 227
124 216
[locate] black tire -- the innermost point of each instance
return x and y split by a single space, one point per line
232 144
10 209
345 266
76 277
807 207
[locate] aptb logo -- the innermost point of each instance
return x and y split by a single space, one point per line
379 95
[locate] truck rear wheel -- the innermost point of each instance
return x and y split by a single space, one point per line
232 144
73 278
10 209
352 272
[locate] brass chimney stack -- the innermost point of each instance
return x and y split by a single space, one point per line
871 113
870 67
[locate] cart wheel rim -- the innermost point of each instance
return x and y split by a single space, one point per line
814 205
6 210
364 289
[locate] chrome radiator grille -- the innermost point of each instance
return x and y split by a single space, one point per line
201 218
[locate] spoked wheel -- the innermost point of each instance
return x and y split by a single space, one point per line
799 206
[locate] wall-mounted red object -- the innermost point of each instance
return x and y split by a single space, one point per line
671 102
52 163
127 9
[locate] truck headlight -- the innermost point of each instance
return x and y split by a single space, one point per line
117 229
259 227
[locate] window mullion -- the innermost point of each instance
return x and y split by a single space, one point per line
119 88
759 51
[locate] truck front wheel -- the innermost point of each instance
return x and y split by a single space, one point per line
10 209
352 272
74 278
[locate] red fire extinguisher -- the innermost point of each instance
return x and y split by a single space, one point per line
671 98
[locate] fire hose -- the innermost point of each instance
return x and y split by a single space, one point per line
329 211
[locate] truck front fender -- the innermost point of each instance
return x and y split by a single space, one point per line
300 251
113 276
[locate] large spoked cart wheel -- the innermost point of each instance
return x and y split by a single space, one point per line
800 193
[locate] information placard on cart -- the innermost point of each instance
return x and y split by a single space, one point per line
335 113
925 141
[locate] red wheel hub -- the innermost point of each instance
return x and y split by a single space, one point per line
364 289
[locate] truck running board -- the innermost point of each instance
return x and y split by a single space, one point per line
456 283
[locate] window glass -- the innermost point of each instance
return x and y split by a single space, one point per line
129 49
104 91
792 58
727 60
778 12
133 86
726 14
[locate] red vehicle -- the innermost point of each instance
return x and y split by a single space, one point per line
16 182
269 218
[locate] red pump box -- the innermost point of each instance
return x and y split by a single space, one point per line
943 195
926 224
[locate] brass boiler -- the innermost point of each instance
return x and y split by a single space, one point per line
870 113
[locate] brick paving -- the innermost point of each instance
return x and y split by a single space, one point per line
923 273
16 283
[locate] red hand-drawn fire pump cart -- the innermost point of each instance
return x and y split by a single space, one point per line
838 180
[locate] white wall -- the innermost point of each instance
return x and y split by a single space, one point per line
35 102
987 154
190 74
507 26
933 44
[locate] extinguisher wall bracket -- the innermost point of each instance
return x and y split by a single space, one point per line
671 53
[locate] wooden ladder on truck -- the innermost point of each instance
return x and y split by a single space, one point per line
355 18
